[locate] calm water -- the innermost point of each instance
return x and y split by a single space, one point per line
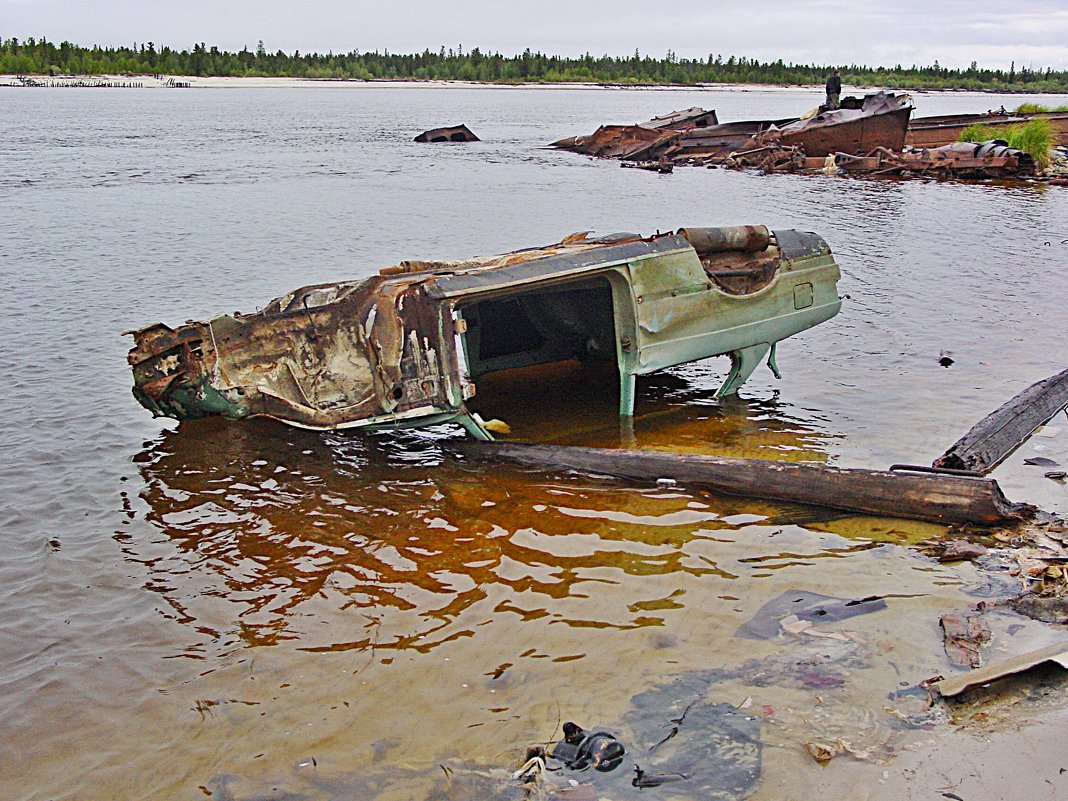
248 611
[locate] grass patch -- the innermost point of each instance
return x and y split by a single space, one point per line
1035 137
1036 108
978 133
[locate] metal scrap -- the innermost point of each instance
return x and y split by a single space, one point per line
956 685
962 160
637 141
454 133
965 633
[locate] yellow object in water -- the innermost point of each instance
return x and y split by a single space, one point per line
497 427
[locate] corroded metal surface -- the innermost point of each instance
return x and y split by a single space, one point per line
407 346
640 140
946 129
876 120
961 160
881 121
683 120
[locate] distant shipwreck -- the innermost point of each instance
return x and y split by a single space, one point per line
871 135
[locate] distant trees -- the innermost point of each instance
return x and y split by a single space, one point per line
39 56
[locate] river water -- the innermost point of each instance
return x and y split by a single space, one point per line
247 611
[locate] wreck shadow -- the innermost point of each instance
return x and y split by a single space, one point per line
575 403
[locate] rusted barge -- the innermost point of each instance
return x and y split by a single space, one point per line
880 119
862 124
633 141
959 160
406 347
716 142
947 128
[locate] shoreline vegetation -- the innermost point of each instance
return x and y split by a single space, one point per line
40 57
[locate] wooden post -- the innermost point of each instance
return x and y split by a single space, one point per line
1002 431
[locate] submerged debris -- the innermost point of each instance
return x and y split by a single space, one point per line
662 165
998 434
813 607
582 749
704 750
960 549
959 160
965 633
929 495
456 133
1048 609
956 685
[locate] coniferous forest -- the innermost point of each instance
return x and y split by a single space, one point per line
41 57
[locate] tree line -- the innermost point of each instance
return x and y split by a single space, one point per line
41 57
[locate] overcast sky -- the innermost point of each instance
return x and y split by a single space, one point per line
992 32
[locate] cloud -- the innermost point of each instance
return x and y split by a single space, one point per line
817 31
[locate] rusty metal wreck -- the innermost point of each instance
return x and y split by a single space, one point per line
406 347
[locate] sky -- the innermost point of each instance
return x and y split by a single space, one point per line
994 33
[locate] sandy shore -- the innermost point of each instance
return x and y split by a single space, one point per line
201 82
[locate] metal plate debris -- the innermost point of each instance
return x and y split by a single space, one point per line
455 133
956 685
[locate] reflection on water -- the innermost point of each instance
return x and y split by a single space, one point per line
489 599
279 521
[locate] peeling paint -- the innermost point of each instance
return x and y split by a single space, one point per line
406 347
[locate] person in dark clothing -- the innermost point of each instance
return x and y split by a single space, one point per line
834 91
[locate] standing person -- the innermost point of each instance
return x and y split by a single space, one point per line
834 91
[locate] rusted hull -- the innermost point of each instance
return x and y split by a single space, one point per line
854 136
720 141
641 140
684 120
616 141
960 160
877 120
938 131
